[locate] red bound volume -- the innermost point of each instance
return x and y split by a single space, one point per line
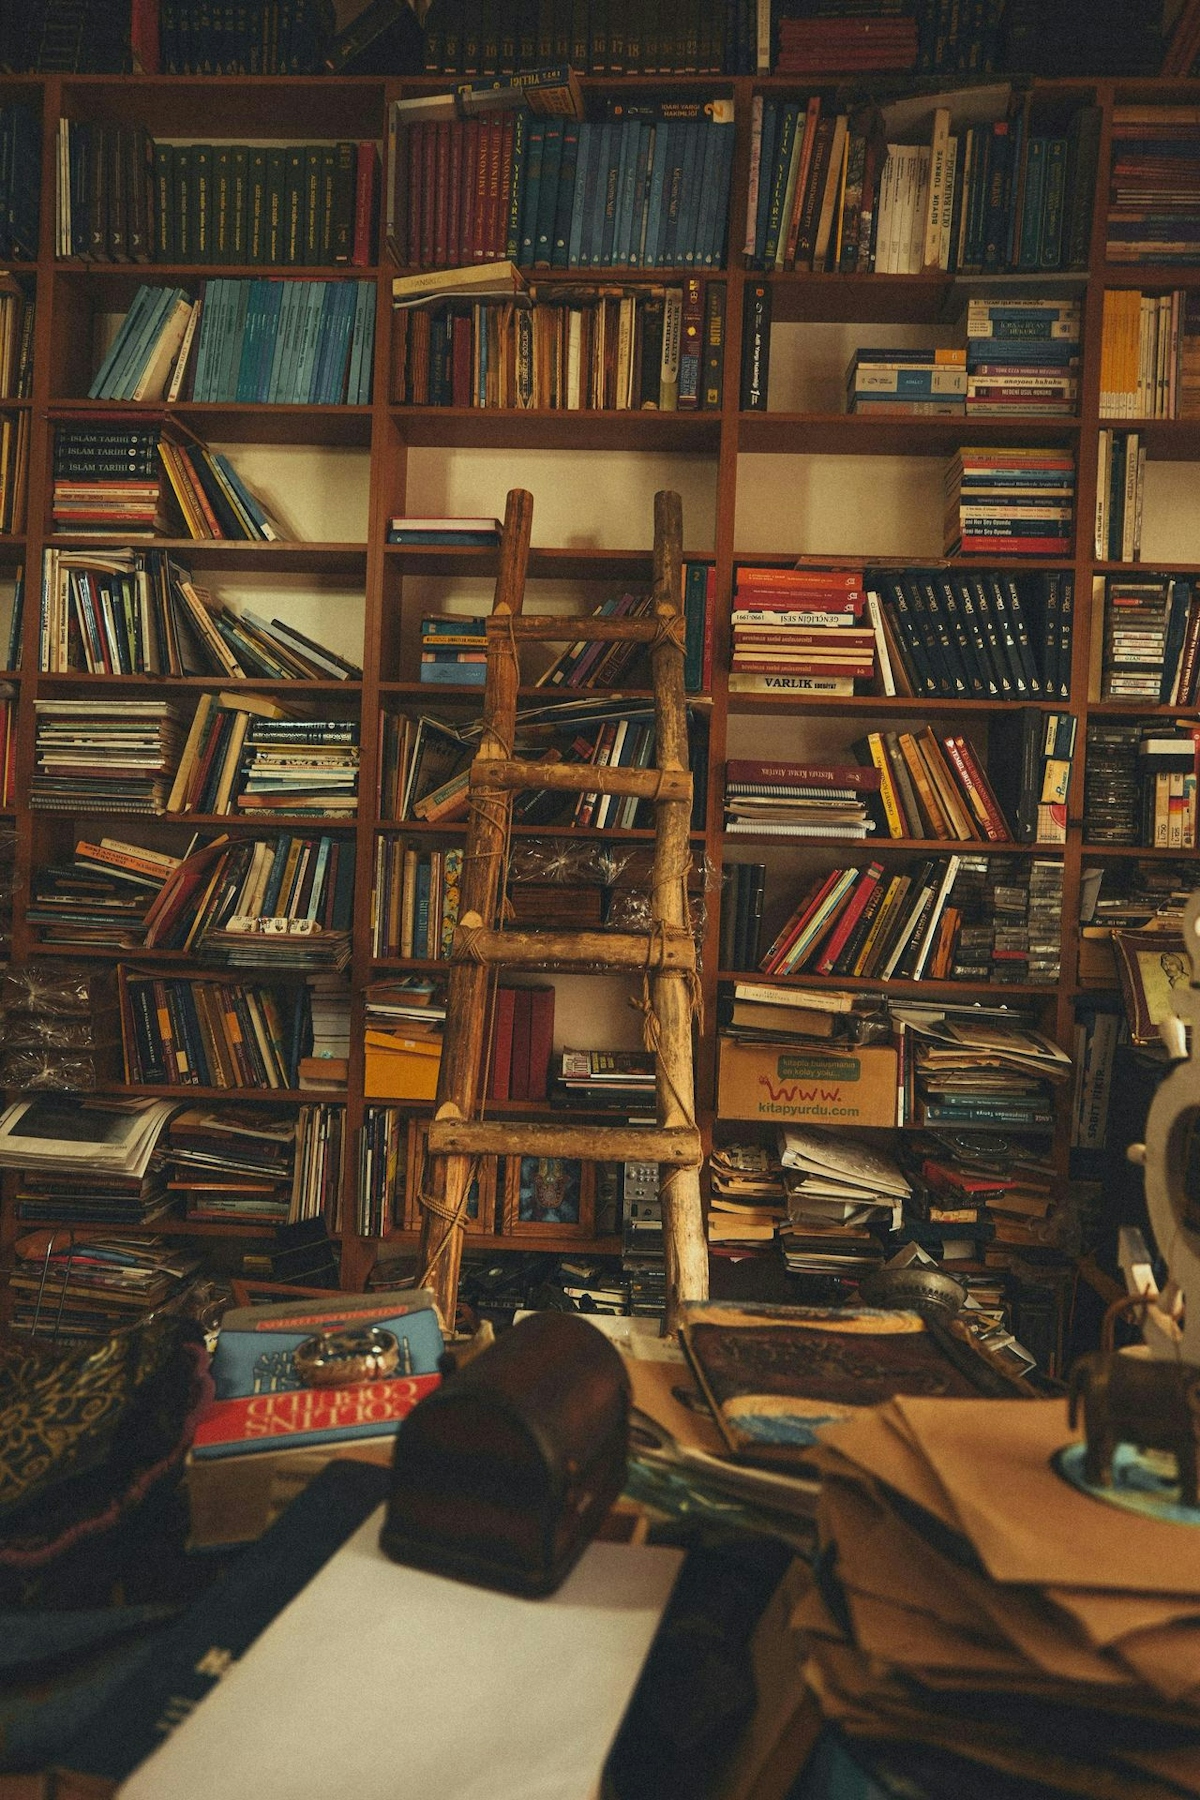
426 185
479 206
983 802
507 134
518 1081
868 881
710 625
366 164
458 133
460 364
441 191
766 774
541 1040
469 177
502 1045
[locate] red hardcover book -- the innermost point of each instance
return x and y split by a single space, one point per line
330 892
143 36
541 1040
458 135
860 894
327 1415
838 640
710 618
502 1045
366 166
495 151
981 798
765 665
507 137
441 192
771 962
470 176
846 581
518 1081
460 359
740 772
426 190
479 207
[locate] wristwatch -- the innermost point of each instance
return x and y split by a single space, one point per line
339 1358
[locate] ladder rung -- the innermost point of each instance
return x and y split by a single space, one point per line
563 628
678 1145
582 778
596 950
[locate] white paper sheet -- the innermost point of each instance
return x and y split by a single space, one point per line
379 1682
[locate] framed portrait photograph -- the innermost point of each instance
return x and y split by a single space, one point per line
548 1193
1151 964
481 1200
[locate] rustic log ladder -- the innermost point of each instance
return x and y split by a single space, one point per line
665 954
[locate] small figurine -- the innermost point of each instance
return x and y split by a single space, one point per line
1132 1400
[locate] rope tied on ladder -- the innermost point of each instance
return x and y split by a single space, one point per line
670 628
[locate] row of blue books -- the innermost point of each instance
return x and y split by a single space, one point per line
286 342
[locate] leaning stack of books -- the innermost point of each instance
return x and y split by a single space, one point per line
1019 501
795 630
822 800
1023 358
975 1073
106 756
1150 355
145 360
100 898
596 664
891 381
933 787
454 652
14 471
843 1198
235 1163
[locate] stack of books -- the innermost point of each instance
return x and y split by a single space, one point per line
86 1159
139 612
1023 358
325 1065
418 756
795 631
286 343
214 203
747 1205
989 634
865 923
1151 628
1120 486
108 478
1150 355
212 498
300 766
969 1199
253 1166
832 39
843 1197
1110 790
1153 211
104 755
892 382
88 1291
607 1081
645 187
101 897
799 799
1020 501
18 314
522 1037
969 1072
756 1012
459 534
454 651
192 1033
415 900
403 1025
933 787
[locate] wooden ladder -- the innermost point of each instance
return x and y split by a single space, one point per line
665 954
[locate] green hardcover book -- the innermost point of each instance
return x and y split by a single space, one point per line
201 184
341 228
165 220
222 184
327 184
182 234
276 191
310 222
256 204
238 202
292 223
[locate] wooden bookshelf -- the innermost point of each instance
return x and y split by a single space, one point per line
703 447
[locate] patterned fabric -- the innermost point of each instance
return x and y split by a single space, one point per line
86 1431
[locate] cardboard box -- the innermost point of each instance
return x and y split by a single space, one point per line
401 1068
787 1082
